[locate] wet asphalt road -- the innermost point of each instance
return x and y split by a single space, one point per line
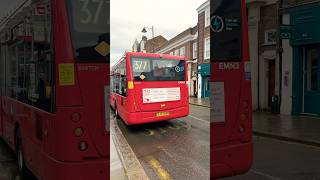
175 149
8 168
280 160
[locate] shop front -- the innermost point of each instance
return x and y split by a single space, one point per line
204 80
306 60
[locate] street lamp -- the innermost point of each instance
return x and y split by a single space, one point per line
144 30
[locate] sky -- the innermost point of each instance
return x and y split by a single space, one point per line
128 17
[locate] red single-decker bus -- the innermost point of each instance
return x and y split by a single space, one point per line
149 87
231 115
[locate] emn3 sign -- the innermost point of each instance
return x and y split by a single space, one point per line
229 66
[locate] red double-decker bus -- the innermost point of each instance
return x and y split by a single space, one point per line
54 82
231 125
149 87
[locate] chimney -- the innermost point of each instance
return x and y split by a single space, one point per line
144 38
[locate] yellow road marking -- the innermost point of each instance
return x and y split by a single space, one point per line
162 173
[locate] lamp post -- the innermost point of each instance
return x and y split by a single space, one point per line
144 30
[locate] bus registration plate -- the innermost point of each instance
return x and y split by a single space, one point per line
159 114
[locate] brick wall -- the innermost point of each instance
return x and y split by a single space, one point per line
155 43
268 21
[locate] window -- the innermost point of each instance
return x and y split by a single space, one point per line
119 81
171 53
182 51
29 62
195 50
226 31
151 69
207 48
270 37
176 52
89 27
207 17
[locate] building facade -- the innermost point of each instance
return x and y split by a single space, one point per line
203 57
262 22
301 58
184 44
285 55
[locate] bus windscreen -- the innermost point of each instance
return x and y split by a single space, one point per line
151 69
89 26
226 33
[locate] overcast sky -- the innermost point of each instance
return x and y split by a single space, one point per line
128 17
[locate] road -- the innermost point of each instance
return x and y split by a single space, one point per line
8 168
281 160
175 149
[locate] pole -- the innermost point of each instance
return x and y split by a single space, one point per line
152 39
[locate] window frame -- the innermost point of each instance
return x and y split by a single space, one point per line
206 48
184 51
195 50
207 17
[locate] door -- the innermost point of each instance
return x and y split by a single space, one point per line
271 80
206 86
311 93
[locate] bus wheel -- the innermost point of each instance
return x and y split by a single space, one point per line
24 173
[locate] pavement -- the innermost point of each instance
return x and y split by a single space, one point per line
302 129
205 102
117 170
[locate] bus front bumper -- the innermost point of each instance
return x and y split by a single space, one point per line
90 169
148 117
231 160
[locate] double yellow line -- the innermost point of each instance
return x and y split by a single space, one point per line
162 173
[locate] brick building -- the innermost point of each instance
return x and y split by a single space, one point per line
203 43
148 45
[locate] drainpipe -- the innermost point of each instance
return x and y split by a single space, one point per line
280 50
